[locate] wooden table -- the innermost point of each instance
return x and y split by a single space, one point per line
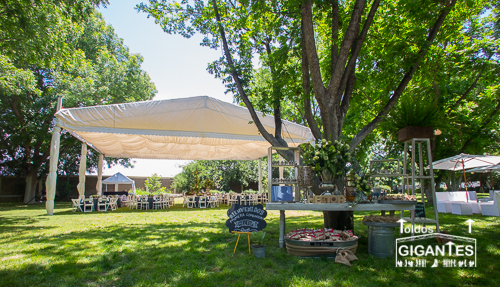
331 207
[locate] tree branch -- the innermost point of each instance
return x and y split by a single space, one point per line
349 37
334 52
275 94
466 93
406 79
312 55
306 86
357 47
273 141
347 95
490 118
15 109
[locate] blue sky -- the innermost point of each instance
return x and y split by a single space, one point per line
176 65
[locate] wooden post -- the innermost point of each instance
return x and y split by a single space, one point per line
260 175
282 229
280 169
98 186
81 171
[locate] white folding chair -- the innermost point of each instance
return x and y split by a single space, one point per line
203 202
157 201
113 203
102 204
76 205
133 202
88 203
191 202
144 202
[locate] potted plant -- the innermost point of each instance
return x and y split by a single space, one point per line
415 117
258 249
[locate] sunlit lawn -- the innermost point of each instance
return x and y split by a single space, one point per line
192 247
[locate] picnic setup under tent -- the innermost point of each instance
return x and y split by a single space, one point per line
196 128
117 179
488 168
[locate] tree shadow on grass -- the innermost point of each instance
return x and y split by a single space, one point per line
194 253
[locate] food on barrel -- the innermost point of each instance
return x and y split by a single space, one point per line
403 197
380 218
322 234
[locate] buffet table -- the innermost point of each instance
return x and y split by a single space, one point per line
282 206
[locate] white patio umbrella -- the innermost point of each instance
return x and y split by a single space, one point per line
465 161
489 169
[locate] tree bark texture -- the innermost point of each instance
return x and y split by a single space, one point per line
341 220
30 189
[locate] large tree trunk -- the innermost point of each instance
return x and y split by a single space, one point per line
30 190
341 220
427 186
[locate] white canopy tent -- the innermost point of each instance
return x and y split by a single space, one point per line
198 128
117 179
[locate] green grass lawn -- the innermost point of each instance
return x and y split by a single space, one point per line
192 247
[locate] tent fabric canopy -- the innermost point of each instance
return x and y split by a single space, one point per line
197 128
117 179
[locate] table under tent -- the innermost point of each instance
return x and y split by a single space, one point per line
197 128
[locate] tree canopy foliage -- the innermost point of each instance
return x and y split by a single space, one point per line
57 48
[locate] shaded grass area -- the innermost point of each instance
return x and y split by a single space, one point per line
192 247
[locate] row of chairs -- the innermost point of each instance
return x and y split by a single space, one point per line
245 199
159 201
229 199
104 203
202 202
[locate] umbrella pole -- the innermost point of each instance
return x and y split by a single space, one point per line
465 181
491 178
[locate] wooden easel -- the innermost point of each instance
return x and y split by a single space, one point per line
239 234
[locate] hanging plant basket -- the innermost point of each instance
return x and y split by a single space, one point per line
408 133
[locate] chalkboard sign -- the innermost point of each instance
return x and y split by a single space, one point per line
420 210
246 218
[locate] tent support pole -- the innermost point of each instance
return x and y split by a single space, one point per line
81 171
50 183
98 186
260 175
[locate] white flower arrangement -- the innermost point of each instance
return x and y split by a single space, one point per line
327 155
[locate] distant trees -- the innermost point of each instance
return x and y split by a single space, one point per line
57 48
216 174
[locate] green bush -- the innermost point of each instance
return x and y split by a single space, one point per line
153 184
250 191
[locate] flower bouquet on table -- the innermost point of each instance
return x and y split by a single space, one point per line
327 159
